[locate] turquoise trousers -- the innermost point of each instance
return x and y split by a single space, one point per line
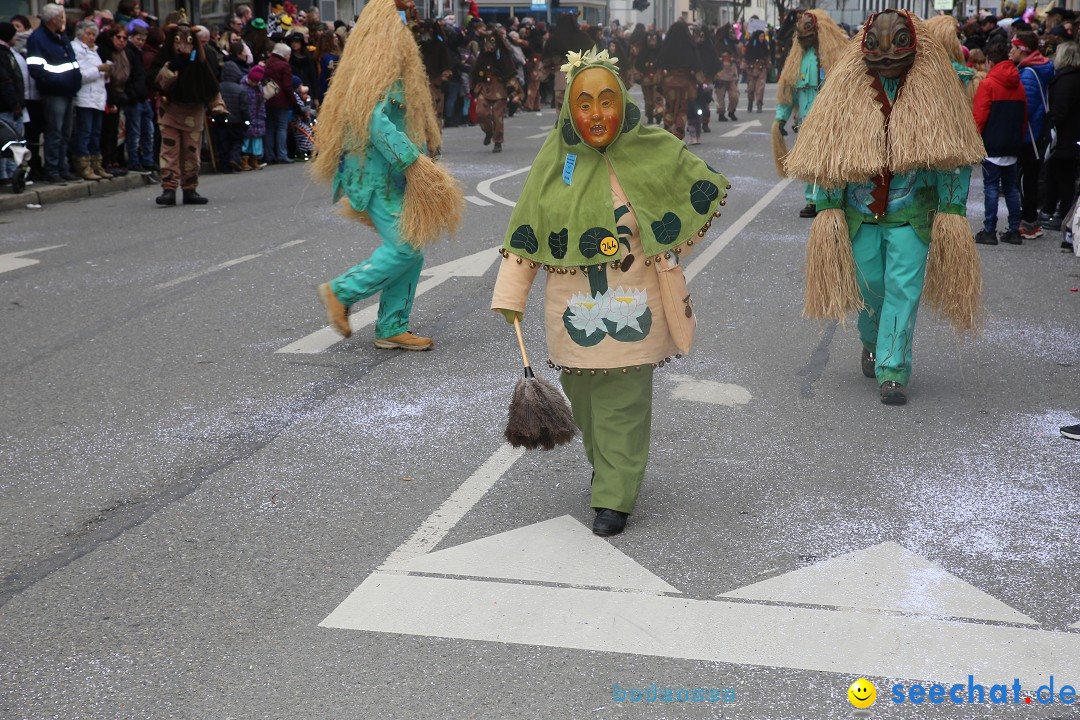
393 269
614 412
891 265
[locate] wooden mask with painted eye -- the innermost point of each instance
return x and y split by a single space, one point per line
806 29
888 43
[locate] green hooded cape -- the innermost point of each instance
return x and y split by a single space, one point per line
565 211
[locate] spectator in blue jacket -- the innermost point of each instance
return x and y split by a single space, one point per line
55 70
1036 72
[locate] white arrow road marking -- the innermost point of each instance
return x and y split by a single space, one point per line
474 265
447 515
837 641
484 187
708 391
883 577
15 260
740 128
477 201
559 550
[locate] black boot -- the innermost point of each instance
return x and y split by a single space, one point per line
750 107
193 198
732 115
167 197
497 148
608 522
808 212
487 138
892 393
868 362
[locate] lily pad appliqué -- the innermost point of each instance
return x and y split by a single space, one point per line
702 195
667 228
524 238
568 135
558 243
631 118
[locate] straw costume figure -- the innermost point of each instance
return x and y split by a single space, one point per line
943 29
892 194
818 44
375 126
608 208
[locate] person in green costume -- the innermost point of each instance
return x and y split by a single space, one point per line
892 194
818 44
607 211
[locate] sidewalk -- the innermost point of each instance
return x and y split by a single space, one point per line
41 193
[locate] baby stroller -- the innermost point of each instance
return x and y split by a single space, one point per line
13 146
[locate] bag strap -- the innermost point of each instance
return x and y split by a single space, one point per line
1038 84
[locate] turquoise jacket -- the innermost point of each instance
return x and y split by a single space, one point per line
914 197
811 77
379 171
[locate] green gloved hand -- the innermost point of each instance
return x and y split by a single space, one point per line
510 315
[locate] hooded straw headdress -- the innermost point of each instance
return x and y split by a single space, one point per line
930 125
381 50
831 41
565 208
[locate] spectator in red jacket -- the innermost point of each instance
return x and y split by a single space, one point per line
1000 109
278 107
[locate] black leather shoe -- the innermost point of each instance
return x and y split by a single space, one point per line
808 212
868 361
167 197
497 148
608 522
487 138
892 393
192 197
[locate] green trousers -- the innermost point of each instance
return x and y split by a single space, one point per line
393 269
891 264
614 412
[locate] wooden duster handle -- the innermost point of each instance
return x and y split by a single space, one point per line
521 341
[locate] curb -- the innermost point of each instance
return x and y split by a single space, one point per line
45 194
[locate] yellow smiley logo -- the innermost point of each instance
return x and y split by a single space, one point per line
609 246
862 693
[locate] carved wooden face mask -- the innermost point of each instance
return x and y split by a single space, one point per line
806 29
596 106
888 43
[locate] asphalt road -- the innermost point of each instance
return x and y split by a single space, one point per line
195 525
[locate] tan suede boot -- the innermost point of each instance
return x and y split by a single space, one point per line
336 312
98 168
405 341
244 165
83 169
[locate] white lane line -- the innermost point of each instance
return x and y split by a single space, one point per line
207 271
439 523
477 201
15 260
474 265
484 188
227 264
698 264
538 135
740 128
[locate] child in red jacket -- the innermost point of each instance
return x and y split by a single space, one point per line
1000 109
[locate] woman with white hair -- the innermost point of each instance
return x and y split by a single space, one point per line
89 103
1064 118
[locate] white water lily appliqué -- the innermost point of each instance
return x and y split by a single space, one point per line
626 307
587 312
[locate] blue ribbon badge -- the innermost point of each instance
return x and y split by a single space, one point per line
568 167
